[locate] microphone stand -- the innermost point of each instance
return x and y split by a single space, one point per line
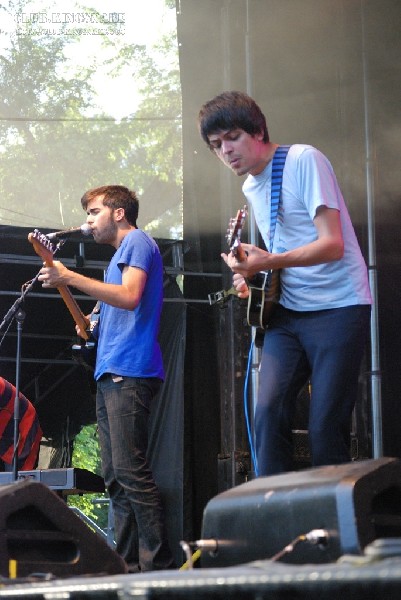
18 312
20 318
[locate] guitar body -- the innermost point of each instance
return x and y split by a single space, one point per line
85 352
264 293
264 287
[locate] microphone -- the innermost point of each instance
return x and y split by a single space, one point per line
85 229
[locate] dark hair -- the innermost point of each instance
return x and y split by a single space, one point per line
115 196
231 110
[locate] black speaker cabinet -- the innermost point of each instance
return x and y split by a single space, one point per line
355 504
42 535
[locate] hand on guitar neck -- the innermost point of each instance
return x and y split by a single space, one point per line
262 289
233 237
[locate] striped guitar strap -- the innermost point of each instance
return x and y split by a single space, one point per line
264 287
277 179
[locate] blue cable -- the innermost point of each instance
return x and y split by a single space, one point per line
248 427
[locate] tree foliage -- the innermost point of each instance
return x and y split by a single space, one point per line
86 456
55 142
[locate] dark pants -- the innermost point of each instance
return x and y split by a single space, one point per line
122 410
325 347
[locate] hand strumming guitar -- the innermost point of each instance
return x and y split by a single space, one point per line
254 277
240 286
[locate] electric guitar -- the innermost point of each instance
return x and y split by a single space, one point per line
264 287
45 249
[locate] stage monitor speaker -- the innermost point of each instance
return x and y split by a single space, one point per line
42 535
310 516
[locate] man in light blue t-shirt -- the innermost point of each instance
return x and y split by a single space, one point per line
318 330
129 369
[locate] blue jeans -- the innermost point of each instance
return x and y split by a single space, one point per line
122 409
325 347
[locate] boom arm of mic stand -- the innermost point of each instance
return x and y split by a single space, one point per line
11 313
15 307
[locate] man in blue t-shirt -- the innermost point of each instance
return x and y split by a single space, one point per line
318 330
129 369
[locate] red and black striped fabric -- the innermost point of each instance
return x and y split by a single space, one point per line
30 432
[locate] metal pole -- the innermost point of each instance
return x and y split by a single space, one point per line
377 440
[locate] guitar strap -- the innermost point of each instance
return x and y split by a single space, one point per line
277 179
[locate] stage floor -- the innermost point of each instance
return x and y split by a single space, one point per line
355 578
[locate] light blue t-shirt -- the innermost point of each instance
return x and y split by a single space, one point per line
127 339
309 182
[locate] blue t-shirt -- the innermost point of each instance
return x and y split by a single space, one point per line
128 339
309 182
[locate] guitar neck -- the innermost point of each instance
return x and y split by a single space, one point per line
75 311
239 253
45 250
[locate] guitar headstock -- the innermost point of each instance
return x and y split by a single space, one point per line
234 231
42 246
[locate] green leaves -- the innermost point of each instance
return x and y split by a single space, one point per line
57 139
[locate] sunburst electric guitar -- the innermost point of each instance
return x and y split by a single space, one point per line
45 249
264 287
